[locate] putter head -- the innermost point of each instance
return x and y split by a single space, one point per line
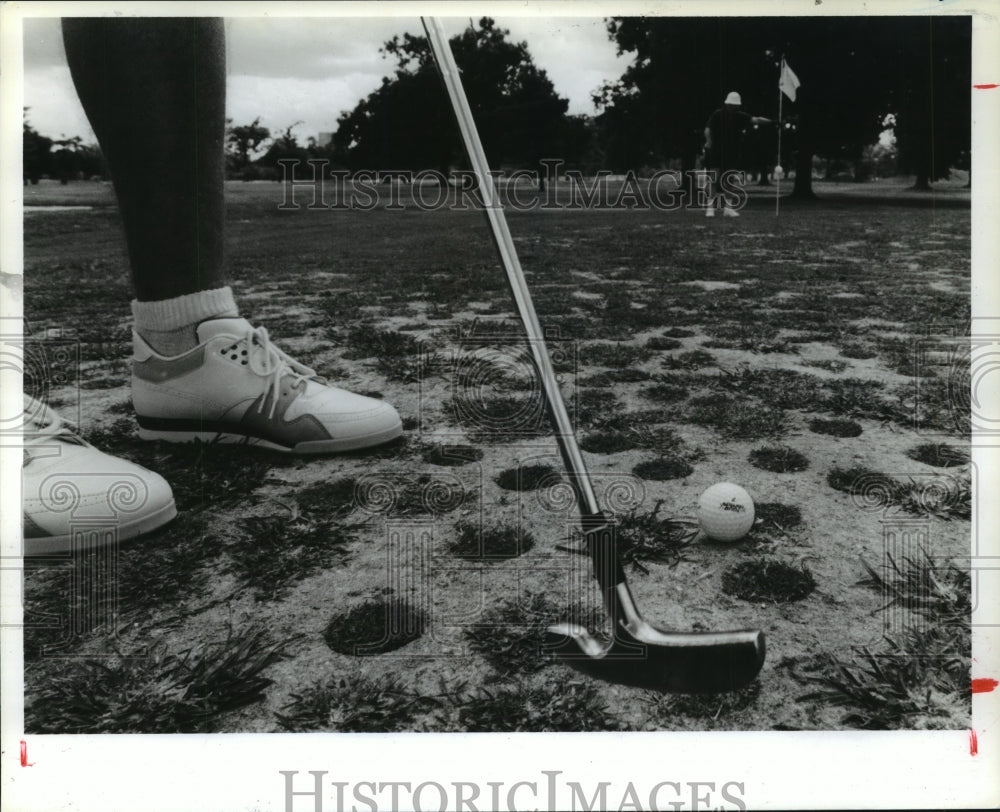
644 656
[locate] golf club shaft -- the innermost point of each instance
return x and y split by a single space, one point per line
597 531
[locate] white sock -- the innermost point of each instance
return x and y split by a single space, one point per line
169 326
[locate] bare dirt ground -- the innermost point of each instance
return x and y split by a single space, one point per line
814 358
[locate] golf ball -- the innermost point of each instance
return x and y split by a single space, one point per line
725 512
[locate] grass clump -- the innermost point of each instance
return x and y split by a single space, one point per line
768 582
273 552
692 359
494 418
335 497
775 516
607 442
707 706
663 343
163 692
565 707
614 355
944 497
779 459
375 627
499 542
452 455
921 679
835 428
511 636
663 469
356 704
528 477
665 392
644 537
738 418
828 364
610 377
939 455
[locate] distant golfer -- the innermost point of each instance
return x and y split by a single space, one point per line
723 142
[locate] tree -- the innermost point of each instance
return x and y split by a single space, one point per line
64 160
407 122
931 95
849 68
35 149
242 141
284 147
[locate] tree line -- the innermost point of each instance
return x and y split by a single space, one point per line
859 76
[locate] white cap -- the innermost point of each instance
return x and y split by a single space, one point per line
734 98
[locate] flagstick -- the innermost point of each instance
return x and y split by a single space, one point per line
777 188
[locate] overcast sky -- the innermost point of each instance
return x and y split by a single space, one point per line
309 70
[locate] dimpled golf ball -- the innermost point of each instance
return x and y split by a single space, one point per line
725 512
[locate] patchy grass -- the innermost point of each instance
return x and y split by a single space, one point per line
328 497
500 418
939 455
163 692
779 459
499 542
706 706
828 364
663 468
835 428
779 388
273 552
946 497
871 486
356 704
737 418
921 679
665 392
775 516
369 341
644 537
452 455
611 377
374 627
857 350
562 707
511 636
692 359
528 477
663 343
608 442
762 338
768 582
614 355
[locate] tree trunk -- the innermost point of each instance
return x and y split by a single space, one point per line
923 181
803 189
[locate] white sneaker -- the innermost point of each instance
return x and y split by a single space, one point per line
237 387
728 212
78 498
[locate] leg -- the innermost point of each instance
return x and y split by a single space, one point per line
711 191
154 91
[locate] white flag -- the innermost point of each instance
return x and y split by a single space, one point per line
789 82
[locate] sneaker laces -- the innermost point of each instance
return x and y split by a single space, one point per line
271 362
42 426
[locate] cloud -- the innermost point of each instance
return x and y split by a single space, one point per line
310 69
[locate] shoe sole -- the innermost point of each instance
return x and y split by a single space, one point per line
57 545
355 443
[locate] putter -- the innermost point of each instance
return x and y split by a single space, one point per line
638 653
